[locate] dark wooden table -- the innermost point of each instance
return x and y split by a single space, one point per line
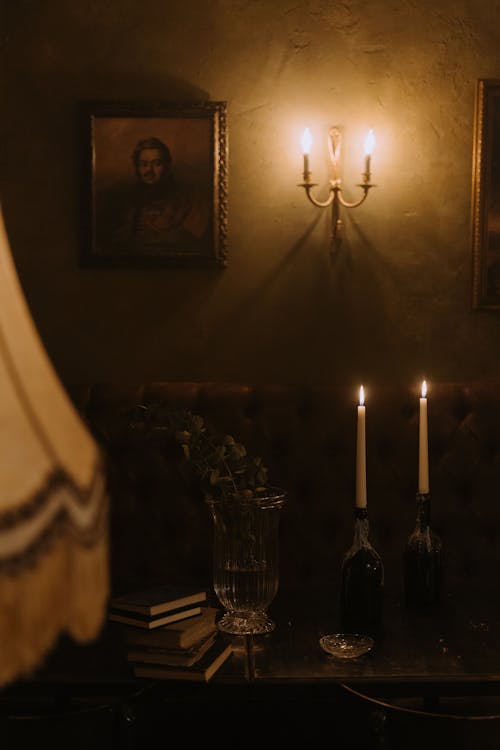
428 668
431 680
453 649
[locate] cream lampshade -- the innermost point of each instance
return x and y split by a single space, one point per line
54 572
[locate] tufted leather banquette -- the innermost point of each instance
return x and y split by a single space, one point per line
160 527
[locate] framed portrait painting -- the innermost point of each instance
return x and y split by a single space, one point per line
485 204
155 184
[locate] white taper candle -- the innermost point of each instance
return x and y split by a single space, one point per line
361 452
423 441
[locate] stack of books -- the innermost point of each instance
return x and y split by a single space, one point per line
170 633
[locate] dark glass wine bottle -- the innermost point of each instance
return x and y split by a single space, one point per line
362 582
423 563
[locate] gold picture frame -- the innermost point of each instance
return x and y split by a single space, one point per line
155 184
485 204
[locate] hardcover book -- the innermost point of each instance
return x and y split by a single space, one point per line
181 634
172 657
158 599
202 671
150 623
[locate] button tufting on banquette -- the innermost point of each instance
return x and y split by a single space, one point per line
160 527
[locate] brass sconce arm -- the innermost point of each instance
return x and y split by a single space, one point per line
335 194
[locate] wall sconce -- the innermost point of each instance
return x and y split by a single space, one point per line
335 199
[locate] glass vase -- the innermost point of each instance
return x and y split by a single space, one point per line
423 563
246 559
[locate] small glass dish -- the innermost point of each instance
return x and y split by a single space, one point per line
346 645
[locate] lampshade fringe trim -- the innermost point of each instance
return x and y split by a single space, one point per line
65 592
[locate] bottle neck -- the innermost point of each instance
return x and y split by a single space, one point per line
423 511
360 513
361 527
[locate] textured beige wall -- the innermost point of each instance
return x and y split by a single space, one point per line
392 305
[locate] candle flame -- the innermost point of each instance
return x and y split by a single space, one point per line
361 396
424 389
369 143
306 141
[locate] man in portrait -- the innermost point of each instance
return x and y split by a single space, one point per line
159 214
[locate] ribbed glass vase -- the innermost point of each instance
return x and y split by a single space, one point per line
246 559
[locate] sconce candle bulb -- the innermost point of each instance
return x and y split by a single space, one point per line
335 199
369 147
306 150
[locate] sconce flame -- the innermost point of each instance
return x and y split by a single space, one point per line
370 143
424 389
306 141
361 396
